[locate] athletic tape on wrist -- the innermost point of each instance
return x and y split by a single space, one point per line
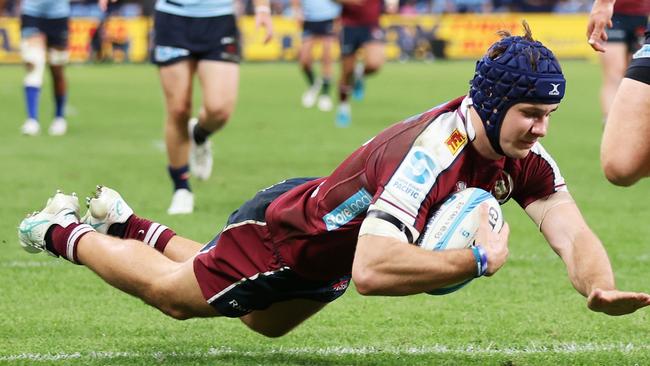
481 260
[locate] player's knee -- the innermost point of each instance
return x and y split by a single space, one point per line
217 114
160 295
372 67
180 113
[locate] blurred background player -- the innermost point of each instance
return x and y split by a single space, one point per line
44 32
197 37
624 37
624 152
361 31
318 25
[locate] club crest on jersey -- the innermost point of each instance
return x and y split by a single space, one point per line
455 141
349 209
503 188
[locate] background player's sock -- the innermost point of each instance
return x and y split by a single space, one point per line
180 177
32 94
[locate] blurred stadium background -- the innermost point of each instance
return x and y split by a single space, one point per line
422 30
528 314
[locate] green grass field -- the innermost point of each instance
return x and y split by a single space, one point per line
52 312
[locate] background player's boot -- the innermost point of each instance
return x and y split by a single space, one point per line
200 155
343 115
106 208
58 127
31 127
60 210
310 95
325 103
182 202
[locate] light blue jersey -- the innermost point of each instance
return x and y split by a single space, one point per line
196 8
319 10
51 9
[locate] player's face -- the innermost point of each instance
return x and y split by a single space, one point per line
523 125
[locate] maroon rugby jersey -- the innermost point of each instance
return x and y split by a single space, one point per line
406 171
632 7
366 14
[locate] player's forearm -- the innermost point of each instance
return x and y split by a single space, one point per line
589 267
396 268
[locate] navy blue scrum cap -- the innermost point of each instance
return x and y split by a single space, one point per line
525 72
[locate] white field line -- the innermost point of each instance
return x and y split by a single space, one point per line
561 348
29 264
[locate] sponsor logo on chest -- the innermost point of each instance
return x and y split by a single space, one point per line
455 141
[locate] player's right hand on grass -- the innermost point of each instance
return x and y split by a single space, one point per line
614 302
495 244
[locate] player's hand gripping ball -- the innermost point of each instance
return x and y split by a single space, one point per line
455 223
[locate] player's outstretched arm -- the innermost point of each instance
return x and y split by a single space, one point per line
614 302
599 18
585 257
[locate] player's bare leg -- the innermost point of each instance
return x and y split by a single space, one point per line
176 81
281 317
613 65
180 249
140 270
625 152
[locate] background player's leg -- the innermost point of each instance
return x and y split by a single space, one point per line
374 57
343 112
33 55
281 317
324 100
306 62
58 59
140 270
613 65
625 152
219 85
176 80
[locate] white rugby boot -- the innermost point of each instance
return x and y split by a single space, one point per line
106 208
200 155
58 127
325 103
31 127
182 202
61 209
310 95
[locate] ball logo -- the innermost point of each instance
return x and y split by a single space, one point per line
419 167
493 217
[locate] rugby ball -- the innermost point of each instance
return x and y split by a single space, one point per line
455 223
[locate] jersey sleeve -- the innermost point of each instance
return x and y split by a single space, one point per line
540 177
